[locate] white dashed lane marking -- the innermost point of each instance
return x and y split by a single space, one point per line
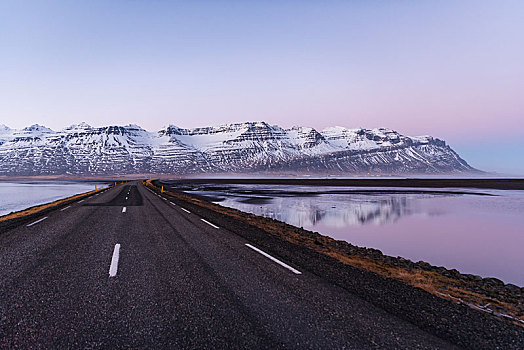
36 222
274 259
210 224
113 268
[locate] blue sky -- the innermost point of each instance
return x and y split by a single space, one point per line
452 69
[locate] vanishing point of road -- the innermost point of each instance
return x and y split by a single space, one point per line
128 268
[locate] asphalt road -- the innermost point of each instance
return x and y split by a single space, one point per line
178 282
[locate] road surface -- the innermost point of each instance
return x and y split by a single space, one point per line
127 268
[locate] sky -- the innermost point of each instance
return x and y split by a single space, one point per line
450 69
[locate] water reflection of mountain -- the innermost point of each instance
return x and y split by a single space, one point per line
336 212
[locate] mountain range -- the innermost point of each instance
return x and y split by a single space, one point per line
251 147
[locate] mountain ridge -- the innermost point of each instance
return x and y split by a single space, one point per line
227 148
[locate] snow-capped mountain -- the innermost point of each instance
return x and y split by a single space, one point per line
244 147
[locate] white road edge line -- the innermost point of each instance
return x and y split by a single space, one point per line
113 268
124 209
210 224
65 208
187 211
172 203
37 221
274 259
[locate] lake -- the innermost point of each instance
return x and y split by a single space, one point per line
478 234
15 196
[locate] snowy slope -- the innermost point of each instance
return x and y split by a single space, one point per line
242 147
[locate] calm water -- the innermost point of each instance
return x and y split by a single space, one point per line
16 196
482 235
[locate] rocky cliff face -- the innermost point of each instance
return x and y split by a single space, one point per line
244 147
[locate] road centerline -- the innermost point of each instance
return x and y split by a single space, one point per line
124 209
184 209
113 268
274 259
65 208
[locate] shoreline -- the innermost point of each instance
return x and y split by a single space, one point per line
497 183
491 183
16 218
